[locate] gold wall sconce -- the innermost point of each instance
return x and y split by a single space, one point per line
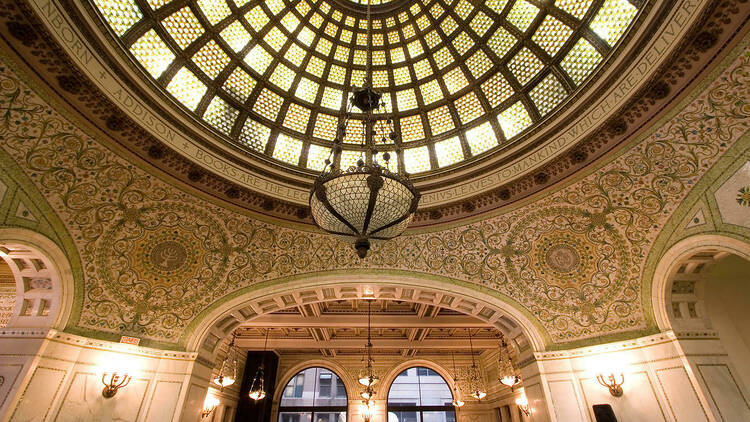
112 382
209 405
611 382
523 404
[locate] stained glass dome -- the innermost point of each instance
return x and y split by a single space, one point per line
460 78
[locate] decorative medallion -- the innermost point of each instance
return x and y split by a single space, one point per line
562 258
157 259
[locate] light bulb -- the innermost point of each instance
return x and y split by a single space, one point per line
458 402
478 394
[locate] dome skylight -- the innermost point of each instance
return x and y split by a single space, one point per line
461 77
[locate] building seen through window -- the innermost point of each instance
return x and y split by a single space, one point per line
420 395
313 395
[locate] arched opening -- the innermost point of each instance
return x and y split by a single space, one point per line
727 306
702 293
314 394
260 301
36 282
419 394
7 293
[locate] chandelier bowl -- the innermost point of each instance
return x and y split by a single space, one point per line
362 203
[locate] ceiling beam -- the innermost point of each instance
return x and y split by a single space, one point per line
360 321
292 343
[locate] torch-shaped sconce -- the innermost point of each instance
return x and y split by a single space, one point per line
523 404
613 382
209 405
113 381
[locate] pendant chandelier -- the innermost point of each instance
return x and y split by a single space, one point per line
457 402
475 378
257 388
506 372
367 375
366 201
228 369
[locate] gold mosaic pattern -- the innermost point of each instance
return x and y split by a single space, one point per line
152 53
183 26
287 149
514 120
581 61
187 88
255 135
448 151
481 138
613 19
551 35
430 55
614 218
547 94
119 14
220 115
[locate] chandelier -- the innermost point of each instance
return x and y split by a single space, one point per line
367 201
367 375
228 370
257 388
506 372
457 402
475 378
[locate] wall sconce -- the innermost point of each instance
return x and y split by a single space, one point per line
523 404
610 381
112 382
209 405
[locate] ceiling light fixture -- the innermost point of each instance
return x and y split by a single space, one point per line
506 370
457 402
367 375
367 201
228 371
257 389
475 378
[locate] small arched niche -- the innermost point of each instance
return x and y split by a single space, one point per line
36 284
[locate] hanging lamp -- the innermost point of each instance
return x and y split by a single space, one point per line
367 375
228 372
367 201
475 378
506 370
257 388
457 402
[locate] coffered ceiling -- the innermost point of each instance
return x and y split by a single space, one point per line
340 328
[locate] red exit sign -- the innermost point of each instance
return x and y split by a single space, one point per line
130 340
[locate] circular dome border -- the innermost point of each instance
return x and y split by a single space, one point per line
708 35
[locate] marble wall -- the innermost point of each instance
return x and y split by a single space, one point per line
52 376
663 382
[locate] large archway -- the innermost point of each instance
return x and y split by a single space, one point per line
701 292
251 303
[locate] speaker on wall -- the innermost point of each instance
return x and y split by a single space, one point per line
604 413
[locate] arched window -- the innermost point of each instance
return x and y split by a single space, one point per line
420 395
313 395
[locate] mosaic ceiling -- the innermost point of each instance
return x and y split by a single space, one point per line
460 78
